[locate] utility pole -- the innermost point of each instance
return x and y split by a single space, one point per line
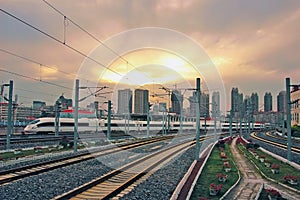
57 114
283 127
241 133
215 119
198 119
148 119
9 114
288 120
230 123
108 119
249 111
76 115
205 130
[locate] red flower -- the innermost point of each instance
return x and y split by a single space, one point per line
290 177
216 187
226 164
275 166
273 192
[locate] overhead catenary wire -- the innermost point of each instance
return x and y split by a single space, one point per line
59 41
88 33
35 79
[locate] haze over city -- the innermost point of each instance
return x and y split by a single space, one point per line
254 45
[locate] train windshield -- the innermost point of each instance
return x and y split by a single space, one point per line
34 121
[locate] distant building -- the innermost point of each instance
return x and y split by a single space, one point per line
254 102
281 102
124 101
193 103
162 107
204 105
38 105
216 104
177 101
295 108
141 100
237 102
268 102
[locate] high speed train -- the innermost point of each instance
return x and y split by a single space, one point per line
47 125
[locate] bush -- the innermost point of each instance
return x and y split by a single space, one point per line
256 146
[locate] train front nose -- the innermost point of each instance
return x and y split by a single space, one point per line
29 128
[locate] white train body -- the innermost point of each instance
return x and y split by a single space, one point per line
47 125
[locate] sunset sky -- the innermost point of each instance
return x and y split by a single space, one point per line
253 45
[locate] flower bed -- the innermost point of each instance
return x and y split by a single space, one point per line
213 174
272 167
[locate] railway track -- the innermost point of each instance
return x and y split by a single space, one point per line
279 145
34 169
113 183
269 134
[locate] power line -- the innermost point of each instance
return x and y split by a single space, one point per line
35 79
35 62
38 63
59 41
88 33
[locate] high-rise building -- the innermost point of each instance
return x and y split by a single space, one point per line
295 107
236 100
281 102
124 101
141 99
193 100
254 102
204 104
268 102
177 101
215 104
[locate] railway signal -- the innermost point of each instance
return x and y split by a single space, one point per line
10 110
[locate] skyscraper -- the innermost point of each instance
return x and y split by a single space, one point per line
177 101
281 101
204 105
141 99
268 102
236 100
124 101
215 104
254 102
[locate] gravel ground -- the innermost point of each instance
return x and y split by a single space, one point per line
160 185
58 181
278 151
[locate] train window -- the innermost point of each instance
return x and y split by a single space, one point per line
67 124
83 124
46 124
35 121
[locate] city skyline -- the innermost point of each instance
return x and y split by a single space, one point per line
253 45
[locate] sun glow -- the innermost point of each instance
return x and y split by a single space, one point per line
147 66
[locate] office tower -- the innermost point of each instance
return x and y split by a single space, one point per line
215 104
254 102
281 101
141 100
177 101
124 101
193 99
236 100
268 102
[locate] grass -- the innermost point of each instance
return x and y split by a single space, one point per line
285 168
213 167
